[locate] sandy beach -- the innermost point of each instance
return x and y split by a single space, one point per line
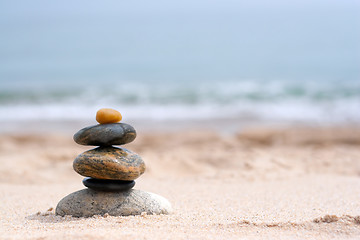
246 114
287 183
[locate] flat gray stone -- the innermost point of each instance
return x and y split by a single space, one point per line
87 203
106 134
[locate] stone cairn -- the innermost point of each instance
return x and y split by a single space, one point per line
110 173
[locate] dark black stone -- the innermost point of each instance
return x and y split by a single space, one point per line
106 134
108 185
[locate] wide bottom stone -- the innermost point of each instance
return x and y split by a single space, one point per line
87 203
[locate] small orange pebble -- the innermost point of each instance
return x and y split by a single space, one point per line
108 115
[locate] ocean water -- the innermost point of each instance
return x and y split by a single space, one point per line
285 62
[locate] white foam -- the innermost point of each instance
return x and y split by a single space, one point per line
201 100
342 110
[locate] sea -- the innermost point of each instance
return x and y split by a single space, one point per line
261 61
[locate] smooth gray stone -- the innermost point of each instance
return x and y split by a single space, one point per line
87 203
106 134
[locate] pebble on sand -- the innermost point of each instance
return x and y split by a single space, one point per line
87 203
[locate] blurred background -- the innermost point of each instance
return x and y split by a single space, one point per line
273 62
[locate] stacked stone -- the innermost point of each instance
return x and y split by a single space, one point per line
110 173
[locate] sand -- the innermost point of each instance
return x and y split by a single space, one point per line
287 183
